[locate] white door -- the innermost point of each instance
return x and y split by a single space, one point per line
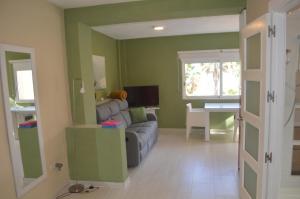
256 50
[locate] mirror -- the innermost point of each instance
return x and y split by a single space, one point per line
19 92
99 72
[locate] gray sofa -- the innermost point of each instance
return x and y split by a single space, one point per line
140 137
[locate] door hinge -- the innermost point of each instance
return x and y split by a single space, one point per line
268 157
240 118
272 31
271 96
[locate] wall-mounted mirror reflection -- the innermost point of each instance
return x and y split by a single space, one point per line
99 72
22 116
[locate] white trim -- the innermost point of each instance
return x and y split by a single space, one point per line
277 84
209 55
16 162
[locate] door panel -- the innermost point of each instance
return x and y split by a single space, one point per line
250 180
252 97
255 47
253 52
252 140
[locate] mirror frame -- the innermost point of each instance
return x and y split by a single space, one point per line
15 161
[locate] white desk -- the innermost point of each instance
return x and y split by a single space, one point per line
152 110
24 110
19 113
224 107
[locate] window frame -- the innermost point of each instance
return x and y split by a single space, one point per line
19 65
201 56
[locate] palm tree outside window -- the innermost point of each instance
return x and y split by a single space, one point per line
211 74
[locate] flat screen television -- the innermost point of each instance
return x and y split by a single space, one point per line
147 96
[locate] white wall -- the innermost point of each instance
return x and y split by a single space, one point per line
40 25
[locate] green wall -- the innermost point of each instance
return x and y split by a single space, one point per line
30 152
80 46
154 61
103 45
9 56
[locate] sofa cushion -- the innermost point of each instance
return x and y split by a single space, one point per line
145 124
103 113
114 107
126 116
119 117
142 135
145 132
138 115
123 105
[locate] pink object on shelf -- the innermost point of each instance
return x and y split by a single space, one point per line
111 123
28 124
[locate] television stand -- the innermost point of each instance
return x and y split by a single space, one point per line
152 109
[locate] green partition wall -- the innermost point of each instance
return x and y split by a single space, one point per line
97 154
79 51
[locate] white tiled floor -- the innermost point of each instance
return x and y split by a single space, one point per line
176 169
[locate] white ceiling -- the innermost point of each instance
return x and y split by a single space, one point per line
186 26
85 3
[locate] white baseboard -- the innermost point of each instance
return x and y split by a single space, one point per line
221 130
172 130
103 184
183 130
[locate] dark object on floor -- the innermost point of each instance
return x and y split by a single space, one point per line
91 187
76 188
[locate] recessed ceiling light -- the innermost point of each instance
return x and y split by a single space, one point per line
158 28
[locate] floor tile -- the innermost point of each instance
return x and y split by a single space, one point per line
177 169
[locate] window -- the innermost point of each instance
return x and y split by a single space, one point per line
211 74
23 81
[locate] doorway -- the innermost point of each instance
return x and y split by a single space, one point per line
290 172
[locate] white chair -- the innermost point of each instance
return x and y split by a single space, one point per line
196 117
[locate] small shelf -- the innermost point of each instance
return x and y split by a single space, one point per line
297 105
296 142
